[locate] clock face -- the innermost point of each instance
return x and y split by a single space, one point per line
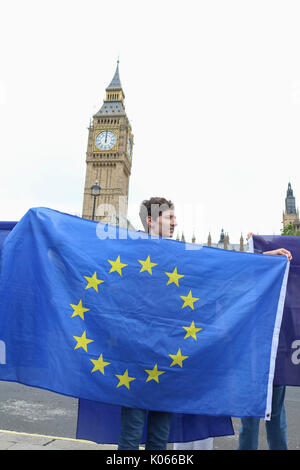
106 140
129 148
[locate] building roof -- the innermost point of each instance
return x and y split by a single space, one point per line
109 108
113 108
115 84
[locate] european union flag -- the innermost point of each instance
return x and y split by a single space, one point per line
127 319
102 423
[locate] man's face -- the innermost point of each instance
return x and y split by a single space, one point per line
164 225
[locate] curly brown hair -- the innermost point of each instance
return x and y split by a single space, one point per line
153 207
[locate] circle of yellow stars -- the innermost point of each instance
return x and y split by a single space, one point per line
99 364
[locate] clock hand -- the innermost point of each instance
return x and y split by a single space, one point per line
105 136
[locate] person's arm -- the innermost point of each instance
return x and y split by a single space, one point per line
279 251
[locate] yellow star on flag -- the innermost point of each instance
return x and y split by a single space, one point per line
191 331
99 364
93 281
79 310
189 300
153 374
82 341
147 265
117 266
177 358
173 277
125 379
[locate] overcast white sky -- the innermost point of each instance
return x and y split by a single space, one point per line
212 92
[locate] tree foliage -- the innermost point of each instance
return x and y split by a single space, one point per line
289 230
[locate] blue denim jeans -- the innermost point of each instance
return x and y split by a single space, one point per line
275 428
132 427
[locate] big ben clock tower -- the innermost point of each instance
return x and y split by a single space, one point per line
108 158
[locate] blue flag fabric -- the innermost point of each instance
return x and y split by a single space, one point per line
5 229
102 423
138 321
287 370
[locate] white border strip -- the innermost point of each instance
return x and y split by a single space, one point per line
275 341
250 245
276 332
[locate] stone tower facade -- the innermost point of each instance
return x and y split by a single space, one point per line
290 215
108 158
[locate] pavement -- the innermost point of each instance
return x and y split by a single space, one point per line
34 419
12 440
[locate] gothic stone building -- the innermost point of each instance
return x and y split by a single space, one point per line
108 158
291 215
223 243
